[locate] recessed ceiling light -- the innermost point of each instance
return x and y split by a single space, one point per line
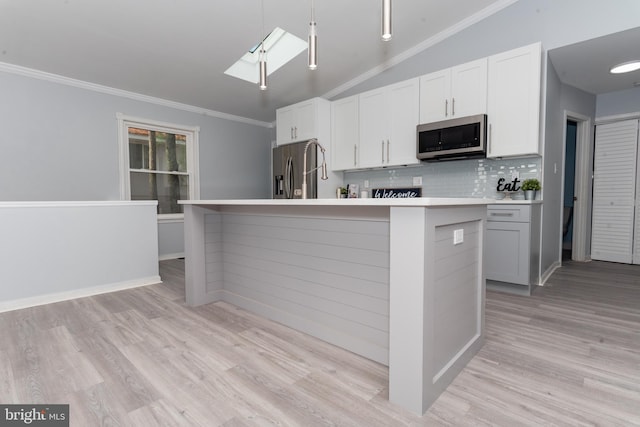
625 67
280 47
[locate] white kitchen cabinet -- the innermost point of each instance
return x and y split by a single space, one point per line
304 121
345 133
513 104
454 92
512 251
387 121
299 122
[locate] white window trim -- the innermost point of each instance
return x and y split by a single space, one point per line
192 135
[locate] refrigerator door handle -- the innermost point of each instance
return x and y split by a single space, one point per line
288 180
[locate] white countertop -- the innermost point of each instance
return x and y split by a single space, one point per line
67 204
516 202
416 201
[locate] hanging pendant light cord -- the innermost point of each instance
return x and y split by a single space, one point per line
262 38
263 61
313 39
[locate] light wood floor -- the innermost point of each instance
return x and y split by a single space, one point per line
568 355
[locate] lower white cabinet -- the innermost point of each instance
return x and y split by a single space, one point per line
512 250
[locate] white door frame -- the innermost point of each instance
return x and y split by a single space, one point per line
583 184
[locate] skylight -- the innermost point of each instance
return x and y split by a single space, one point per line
281 47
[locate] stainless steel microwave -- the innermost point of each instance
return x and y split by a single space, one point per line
451 139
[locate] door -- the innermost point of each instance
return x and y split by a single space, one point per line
507 259
435 90
404 105
469 89
284 125
374 127
344 133
513 102
282 173
614 190
569 188
305 121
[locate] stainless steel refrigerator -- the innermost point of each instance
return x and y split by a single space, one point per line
287 171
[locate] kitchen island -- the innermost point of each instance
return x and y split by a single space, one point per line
399 281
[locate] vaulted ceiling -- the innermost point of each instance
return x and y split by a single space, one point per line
178 50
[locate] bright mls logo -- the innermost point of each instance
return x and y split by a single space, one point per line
34 415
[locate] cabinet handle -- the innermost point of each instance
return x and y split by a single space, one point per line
453 106
355 155
291 132
501 214
387 151
295 132
382 151
446 107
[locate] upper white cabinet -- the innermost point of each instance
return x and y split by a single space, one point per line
388 118
299 122
345 134
455 92
513 105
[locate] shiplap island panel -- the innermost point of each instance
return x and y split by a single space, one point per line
380 277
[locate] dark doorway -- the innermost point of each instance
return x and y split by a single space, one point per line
569 189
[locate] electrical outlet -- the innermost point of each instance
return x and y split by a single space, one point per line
417 180
366 183
458 236
515 175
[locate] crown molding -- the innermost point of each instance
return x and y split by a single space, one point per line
55 78
420 47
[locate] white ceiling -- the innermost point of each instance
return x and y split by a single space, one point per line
586 65
178 50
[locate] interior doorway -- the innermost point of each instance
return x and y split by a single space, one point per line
571 132
575 233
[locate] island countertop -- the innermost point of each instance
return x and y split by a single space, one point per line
397 280
412 201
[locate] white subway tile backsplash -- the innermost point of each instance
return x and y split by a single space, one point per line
457 178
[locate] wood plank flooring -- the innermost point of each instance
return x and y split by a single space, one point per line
569 355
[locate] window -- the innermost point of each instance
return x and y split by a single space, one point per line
158 162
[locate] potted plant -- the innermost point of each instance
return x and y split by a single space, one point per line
342 192
530 186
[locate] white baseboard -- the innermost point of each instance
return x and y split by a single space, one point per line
170 256
18 304
545 276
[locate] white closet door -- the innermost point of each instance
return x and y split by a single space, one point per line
636 235
614 187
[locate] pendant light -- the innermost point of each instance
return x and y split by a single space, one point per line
263 69
313 40
263 57
386 20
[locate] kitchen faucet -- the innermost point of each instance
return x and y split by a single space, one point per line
323 165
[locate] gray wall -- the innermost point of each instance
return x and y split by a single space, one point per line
460 178
583 103
552 173
60 142
622 102
560 98
554 23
